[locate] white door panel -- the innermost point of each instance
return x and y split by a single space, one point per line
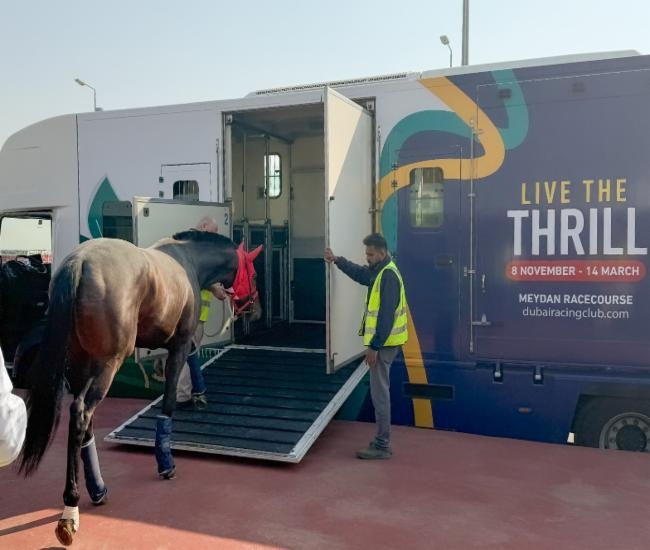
348 196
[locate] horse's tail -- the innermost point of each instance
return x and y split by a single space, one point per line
47 374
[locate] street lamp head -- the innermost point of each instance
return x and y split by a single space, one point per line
445 42
82 83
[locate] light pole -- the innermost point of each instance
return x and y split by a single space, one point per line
82 83
465 51
445 42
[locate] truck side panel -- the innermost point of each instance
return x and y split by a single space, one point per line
562 226
490 351
123 154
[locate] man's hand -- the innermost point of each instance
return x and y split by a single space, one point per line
218 291
371 357
329 256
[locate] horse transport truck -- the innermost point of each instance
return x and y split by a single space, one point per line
515 199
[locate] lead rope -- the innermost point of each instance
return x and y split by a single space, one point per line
234 311
228 314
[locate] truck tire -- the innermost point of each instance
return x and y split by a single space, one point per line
612 423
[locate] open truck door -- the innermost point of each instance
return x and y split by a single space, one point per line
154 219
348 201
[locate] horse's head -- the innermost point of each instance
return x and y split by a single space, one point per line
245 297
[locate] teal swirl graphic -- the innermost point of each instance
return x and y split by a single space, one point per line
104 193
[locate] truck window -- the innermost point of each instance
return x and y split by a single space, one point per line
25 236
273 175
117 221
426 206
186 190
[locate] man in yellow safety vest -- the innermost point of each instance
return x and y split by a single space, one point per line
383 327
191 384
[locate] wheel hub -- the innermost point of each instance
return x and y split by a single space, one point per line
627 432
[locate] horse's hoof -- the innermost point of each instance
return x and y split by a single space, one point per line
65 531
168 474
101 498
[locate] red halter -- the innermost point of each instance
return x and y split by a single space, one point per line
244 291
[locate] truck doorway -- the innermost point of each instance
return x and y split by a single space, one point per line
301 179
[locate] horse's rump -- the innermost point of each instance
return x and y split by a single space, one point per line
127 293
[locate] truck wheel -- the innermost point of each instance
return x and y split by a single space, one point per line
609 423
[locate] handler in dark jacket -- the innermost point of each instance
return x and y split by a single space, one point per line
383 327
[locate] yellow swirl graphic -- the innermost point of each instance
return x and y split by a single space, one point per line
455 169
422 410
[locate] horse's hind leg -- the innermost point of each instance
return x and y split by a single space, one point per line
81 412
68 525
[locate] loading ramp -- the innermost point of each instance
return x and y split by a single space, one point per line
266 403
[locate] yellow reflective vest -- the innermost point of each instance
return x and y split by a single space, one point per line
206 295
399 332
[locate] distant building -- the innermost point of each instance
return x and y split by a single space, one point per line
8 255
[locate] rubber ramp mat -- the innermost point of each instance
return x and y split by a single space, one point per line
285 335
262 403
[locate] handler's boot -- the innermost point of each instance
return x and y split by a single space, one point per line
372 452
199 401
166 467
94 482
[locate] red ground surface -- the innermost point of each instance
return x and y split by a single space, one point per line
440 491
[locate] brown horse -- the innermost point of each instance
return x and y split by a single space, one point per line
106 298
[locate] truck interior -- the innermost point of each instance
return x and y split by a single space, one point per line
276 180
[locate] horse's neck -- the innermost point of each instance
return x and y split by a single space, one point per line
204 262
215 265
178 253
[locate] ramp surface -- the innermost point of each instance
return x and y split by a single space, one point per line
265 403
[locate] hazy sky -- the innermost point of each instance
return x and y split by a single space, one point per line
155 52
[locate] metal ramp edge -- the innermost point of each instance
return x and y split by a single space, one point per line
139 430
311 435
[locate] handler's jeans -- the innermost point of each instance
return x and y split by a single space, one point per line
191 379
380 394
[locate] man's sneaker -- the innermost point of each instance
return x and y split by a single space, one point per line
200 401
372 452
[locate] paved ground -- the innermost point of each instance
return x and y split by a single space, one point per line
440 491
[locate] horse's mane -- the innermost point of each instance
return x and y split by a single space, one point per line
203 236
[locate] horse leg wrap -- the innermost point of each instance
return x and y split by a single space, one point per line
94 482
68 525
166 467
